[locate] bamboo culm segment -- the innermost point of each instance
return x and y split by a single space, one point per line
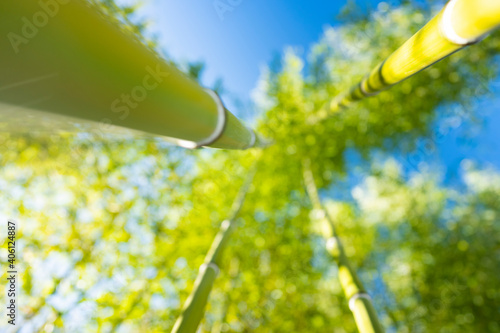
459 24
359 302
67 60
194 307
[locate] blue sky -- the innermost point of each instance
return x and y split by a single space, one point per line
236 41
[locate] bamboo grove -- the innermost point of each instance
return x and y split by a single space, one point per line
458 25
181 111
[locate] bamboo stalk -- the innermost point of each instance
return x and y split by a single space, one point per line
459 24
359 301
195 304
233 273
67 62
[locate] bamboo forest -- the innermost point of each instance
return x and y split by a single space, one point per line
139 195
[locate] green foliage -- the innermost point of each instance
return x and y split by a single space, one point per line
442 276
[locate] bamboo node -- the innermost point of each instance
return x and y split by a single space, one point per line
219 127
332 243
318 214
355 297
447 27
225 224
211 265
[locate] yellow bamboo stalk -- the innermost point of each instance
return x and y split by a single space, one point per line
360 302
459 24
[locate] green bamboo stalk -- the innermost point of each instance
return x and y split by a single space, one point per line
233 273
459 24
67 62
359 301
195 304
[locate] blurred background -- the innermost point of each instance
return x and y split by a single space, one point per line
113 229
